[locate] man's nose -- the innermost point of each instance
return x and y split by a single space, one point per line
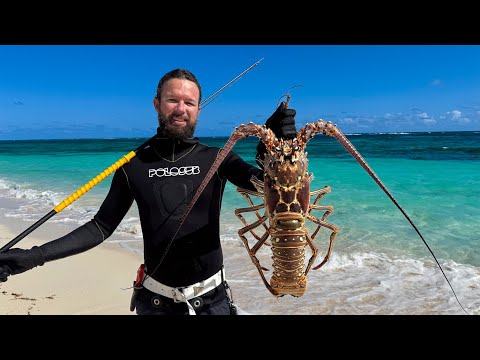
180 107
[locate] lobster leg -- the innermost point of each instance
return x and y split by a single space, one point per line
320 194
334 230
328 208
246 194
250 192
259 185
314 252
239 212
252 252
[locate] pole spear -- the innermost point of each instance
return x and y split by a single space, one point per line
108 171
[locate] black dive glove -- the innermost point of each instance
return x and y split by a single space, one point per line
16 261
282 123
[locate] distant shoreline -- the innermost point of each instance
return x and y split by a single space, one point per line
142 139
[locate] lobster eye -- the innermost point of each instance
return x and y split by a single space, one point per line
278 149
295 148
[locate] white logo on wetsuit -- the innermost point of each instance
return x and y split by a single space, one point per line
174 171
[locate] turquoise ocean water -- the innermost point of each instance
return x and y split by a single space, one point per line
379 264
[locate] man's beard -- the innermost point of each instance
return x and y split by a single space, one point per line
176 132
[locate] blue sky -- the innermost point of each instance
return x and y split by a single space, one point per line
83 91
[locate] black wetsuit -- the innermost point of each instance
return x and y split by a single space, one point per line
162 180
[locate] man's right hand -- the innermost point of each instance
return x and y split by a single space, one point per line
16 261
4 273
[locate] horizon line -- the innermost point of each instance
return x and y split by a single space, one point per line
227 136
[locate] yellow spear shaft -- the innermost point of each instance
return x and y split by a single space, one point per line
77 194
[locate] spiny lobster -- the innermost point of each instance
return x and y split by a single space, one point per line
286 198
286 194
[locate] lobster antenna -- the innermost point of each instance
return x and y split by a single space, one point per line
287 95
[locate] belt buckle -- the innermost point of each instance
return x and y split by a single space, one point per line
178 291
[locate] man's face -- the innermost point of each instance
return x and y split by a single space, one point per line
178 108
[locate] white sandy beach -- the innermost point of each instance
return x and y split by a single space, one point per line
89 283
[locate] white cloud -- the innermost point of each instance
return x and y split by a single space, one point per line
425 118
457 117
456 114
